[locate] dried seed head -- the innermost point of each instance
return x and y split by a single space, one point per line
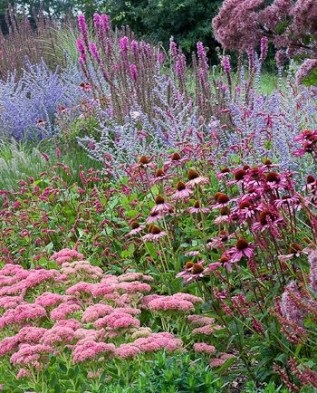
242 244
225 170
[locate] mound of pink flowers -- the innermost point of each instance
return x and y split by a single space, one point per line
78 311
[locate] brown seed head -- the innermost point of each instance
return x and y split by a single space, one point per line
223 259
159 173
197 205
155 230
239 175
225 170
310 179
189 265
246 167
143 160
268 162
224 211
197 268
192 174
134 225
180 186
175 157
272 177
242 244
223 198
265 215
159 200
295 248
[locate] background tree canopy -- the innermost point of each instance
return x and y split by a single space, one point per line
188 21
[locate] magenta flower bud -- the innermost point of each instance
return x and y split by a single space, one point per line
83 26
97 21
133 72
264 48
94 51
105 22
201 50
173 48
81 49
124 44
135 47
226 64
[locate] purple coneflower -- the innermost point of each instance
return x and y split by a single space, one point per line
182 191
198 209
194 178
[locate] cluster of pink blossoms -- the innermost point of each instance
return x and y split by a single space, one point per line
88 318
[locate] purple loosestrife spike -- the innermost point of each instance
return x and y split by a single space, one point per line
226 64
105 23
94 51
81 49
264 48
133 72
124 44
173 49
83 27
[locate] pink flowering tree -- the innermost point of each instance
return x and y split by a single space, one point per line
291 25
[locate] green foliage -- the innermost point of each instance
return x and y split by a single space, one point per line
187 21
311 78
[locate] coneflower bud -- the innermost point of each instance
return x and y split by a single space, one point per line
192 174
242 244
